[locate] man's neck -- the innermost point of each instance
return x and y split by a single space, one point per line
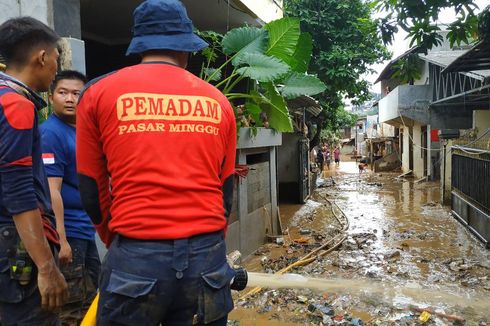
153 57
22 75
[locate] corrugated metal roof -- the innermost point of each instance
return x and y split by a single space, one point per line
445 58
305 102
476 59
441 58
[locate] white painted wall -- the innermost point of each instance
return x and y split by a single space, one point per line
481 120
39 9
266 10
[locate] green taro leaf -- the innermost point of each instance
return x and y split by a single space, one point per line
297 84
261 67
254 109
277 111
284 34
210 71
301 58
245 40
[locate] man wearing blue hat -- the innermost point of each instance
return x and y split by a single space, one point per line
155 157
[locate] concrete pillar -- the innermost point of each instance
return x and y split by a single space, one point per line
72 54
446 171
406 150
273 182
61 15
418 162
67 23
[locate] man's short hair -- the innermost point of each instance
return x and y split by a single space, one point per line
67 74
19 36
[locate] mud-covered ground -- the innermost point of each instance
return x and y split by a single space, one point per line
414 262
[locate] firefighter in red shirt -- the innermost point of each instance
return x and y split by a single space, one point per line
155 157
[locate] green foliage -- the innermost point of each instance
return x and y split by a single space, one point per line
271 58
484 23
408 69
261 67
276 109
418 19
300 60
283 38
345 44
244 40
296 84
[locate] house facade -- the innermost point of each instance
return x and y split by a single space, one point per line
420 110
444 121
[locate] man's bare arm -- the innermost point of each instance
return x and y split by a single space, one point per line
55 183
51 282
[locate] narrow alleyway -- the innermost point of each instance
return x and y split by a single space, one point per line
399 237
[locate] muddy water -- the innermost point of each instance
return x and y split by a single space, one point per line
404 216
417 254
388 290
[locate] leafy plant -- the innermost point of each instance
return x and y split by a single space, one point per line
274 60
419 20
408 69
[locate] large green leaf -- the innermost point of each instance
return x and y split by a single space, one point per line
283 37
245 40
276 109
215 73
297 84
261 67
301 58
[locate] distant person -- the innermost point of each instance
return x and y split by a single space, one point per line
31 285
320 158
336 154
327 159
78 252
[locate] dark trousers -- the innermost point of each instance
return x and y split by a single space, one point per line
19 304
85 255
169 282
82 276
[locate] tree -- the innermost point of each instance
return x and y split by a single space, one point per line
419 20
346 43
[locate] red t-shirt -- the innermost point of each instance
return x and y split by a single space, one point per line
159 142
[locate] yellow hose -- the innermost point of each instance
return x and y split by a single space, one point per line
90 316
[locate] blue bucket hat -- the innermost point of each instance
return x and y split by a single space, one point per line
163 25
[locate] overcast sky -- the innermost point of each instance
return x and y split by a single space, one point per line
400 45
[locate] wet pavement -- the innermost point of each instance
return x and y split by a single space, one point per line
399 237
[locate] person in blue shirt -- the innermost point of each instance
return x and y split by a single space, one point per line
31 285
78 252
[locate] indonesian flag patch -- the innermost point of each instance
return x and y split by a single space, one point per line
48 158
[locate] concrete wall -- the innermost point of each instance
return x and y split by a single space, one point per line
481 120
39 9
411 101
288 159
66 15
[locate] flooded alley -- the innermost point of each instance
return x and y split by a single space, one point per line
401 259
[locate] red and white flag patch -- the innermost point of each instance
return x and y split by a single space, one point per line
48 158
